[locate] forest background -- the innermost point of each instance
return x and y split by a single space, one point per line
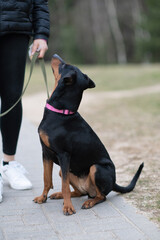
105 31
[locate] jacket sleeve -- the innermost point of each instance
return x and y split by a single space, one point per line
41 23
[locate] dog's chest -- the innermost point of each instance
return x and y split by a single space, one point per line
85 186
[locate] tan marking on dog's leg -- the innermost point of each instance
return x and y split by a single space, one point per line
99 197
68 208
60 173
57 195
73 182
48 167
44 137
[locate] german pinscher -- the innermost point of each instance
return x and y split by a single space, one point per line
70 142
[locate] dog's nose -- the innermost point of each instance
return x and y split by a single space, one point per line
58 57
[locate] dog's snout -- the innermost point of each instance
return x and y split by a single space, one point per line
58 57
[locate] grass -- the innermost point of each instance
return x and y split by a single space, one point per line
123 77
107 78
146 104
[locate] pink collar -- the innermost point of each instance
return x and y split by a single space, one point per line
63 111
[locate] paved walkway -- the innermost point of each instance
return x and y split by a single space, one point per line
22 219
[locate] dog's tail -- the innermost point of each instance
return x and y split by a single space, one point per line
132 184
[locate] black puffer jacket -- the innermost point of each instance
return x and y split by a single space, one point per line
25 16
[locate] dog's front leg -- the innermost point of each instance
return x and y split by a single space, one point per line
64 160
48 166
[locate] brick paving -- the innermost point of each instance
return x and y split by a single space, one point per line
22 219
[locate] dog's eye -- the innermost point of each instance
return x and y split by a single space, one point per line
70 78
68 81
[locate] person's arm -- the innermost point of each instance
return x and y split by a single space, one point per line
41 25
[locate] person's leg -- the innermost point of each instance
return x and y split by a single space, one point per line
13 49
12 64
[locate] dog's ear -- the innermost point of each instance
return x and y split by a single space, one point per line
70 78
91 84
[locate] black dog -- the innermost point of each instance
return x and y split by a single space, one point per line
70 142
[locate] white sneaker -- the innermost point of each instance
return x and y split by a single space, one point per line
14 172
1 187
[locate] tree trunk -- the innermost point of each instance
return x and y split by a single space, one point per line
116 31
137 17
95 16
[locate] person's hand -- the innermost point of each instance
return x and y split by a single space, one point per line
39 44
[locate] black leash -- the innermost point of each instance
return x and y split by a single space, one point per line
42 64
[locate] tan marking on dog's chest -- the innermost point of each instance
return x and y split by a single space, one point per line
84 185
44 137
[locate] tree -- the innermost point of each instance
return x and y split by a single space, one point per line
149 44
105 31
116 31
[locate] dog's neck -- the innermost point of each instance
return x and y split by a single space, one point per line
62 102
61 111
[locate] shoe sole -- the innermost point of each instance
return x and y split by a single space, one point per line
4 177
20 189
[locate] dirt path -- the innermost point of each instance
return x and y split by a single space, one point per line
35 103
129 93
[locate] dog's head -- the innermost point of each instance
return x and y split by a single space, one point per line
70 83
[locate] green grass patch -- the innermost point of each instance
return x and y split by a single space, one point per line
107 78
149 103
123 77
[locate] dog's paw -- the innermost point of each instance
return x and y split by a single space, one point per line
41 199
57 195
68 210
88 204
